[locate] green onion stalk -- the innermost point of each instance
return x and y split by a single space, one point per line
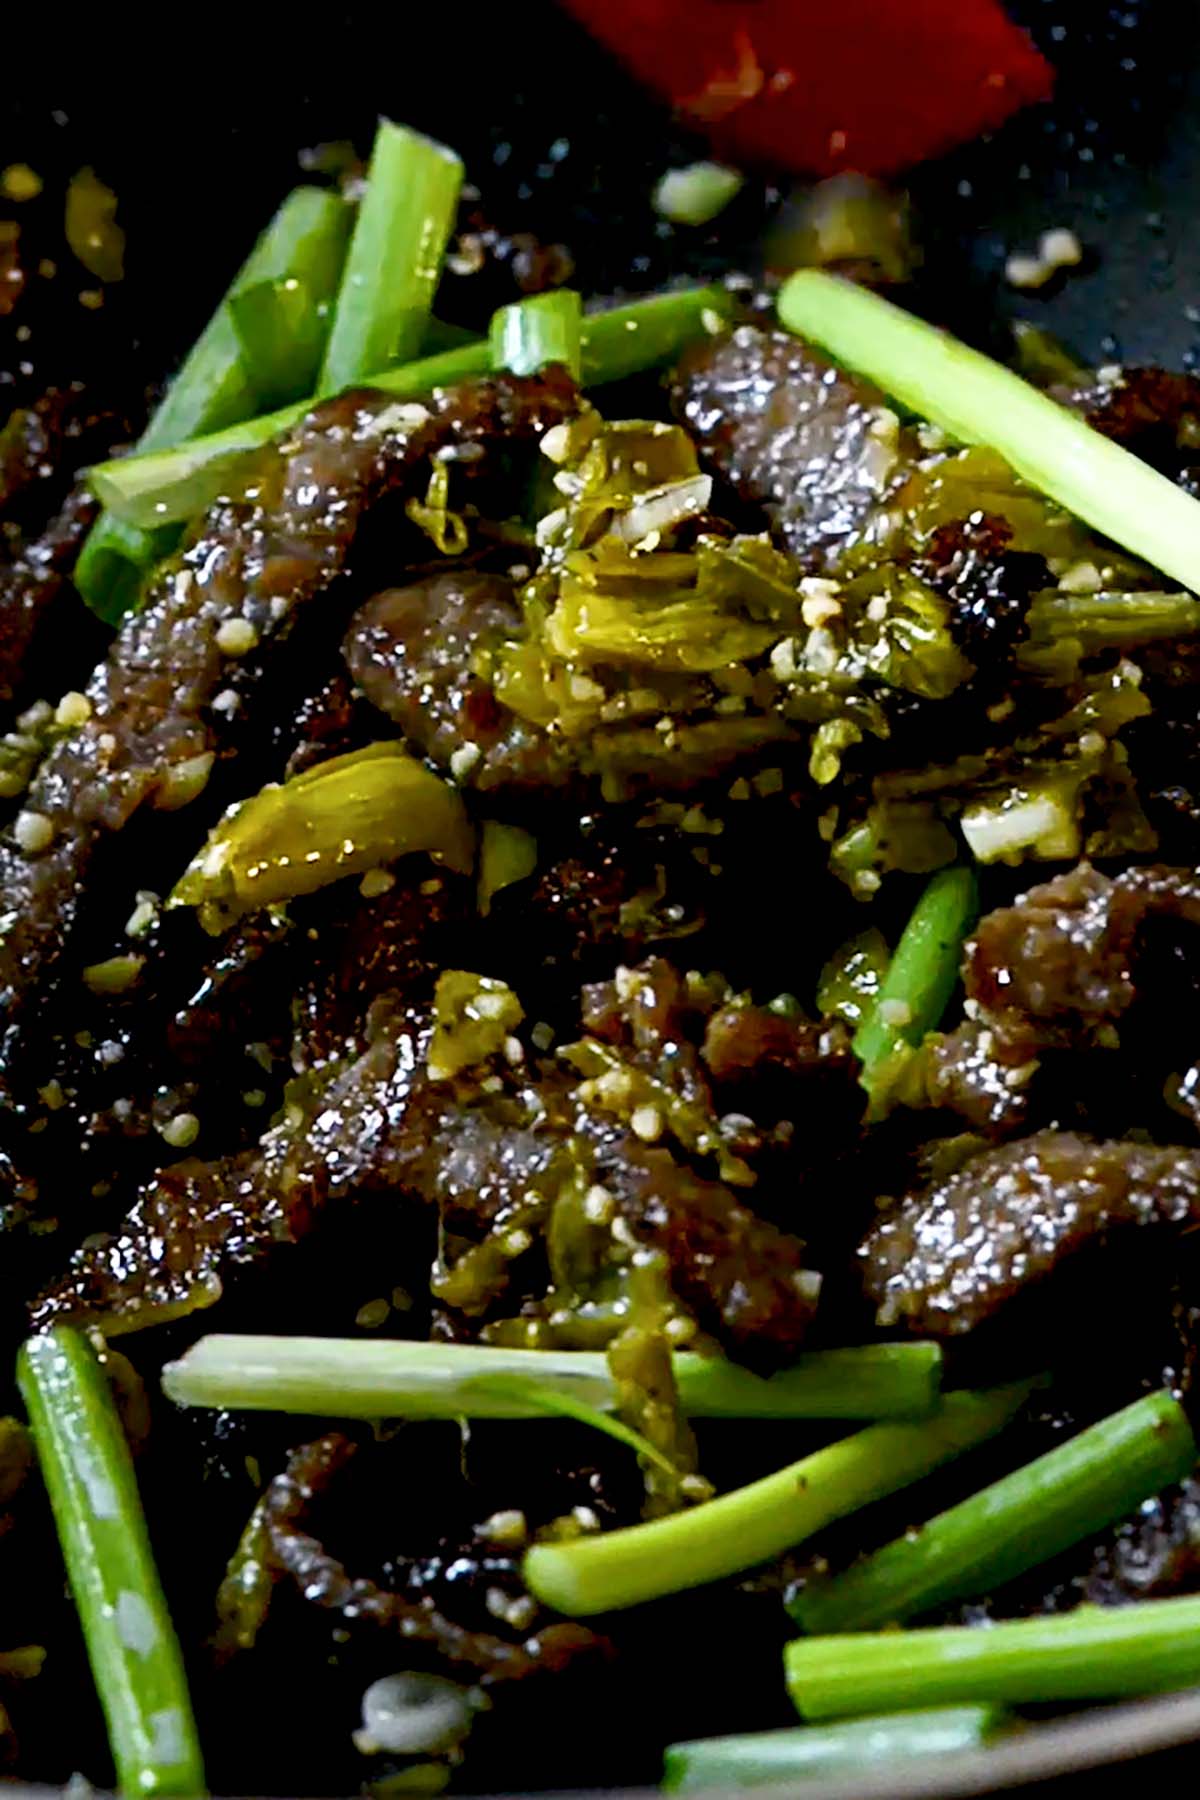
359 1379
803 1752
546 328
1071 1493
1093 1653
920 979
404 222
977 401
722 1537
262 346
131 1644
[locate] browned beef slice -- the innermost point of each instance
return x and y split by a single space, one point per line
195 1221
258 560
983 1076
420 655
944 1261
31 585
745 1280
395 944
792 433
485 1163
1059 963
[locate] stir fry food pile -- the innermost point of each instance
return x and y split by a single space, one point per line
601 1091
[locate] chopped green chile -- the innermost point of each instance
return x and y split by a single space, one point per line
905 836
473 1018
1040 358
446 530
90 226
612 1084
353 813
507 854
851 979
624 626
1094 621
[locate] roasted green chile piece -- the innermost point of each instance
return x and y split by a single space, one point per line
473 1017
348 815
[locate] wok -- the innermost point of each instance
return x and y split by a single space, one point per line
199 132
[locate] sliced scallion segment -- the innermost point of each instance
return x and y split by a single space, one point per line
285 285
752 1524
532 333
1093 1653
1022 1520
404 222
761 1758
921 975
360 1379
134 1655
978 401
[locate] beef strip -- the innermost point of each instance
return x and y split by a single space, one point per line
1059 965
817 449
982 1075
278 1544
196 1222
744 1279
493 1165
420 654
394 943
944 1261
31 589
255 561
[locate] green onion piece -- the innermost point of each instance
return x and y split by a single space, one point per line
226 378
977 401
405 218
135 1658
175 485
752 1524
282 332
348 815
644 334
920 979
1018 1522
874 1381
541 1398
440 334
857 1747
695 195
544 329
114 562
1093 1653
359 1379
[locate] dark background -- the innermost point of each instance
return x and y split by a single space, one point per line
196 120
